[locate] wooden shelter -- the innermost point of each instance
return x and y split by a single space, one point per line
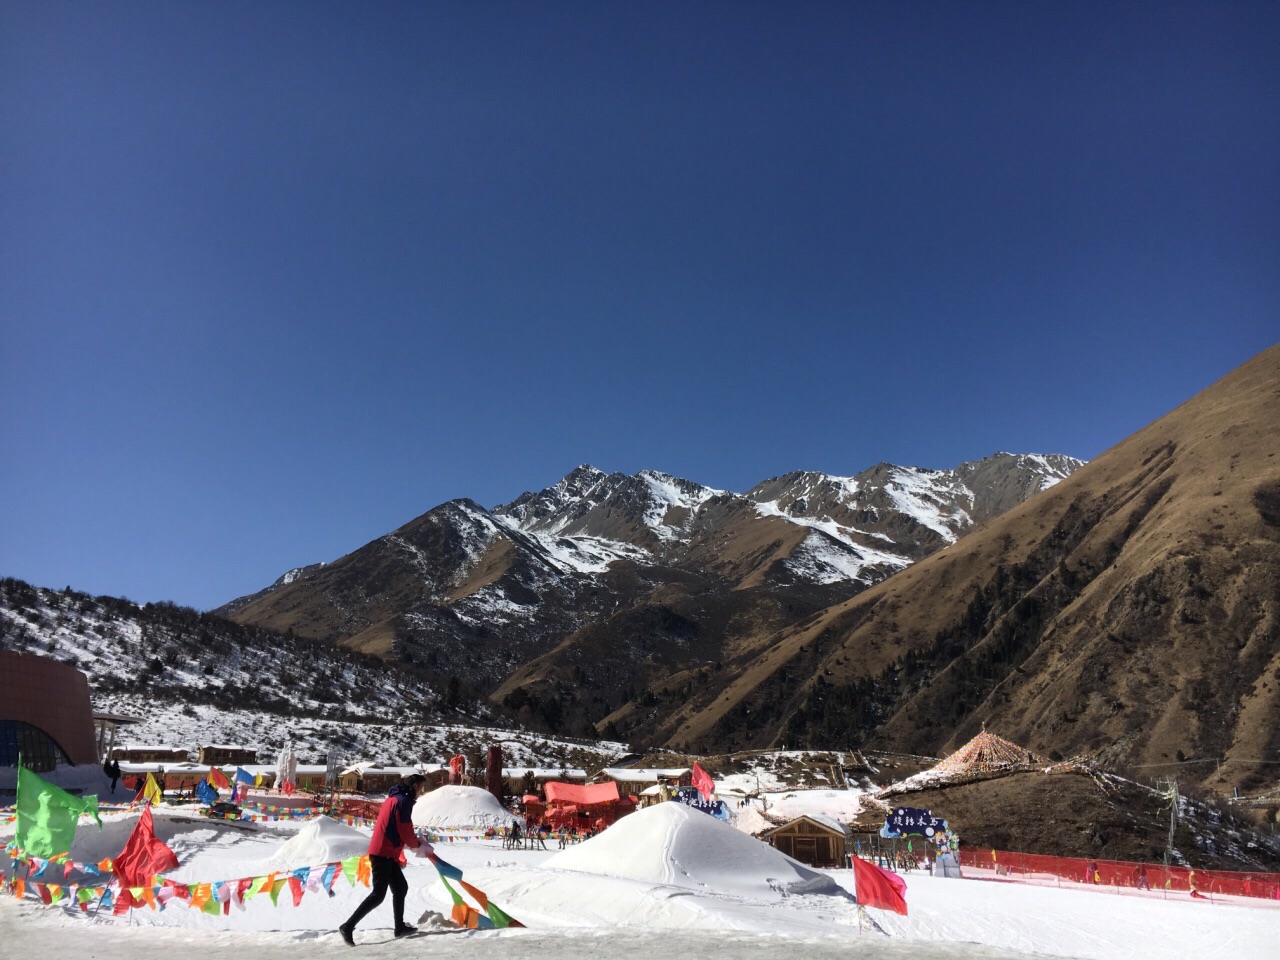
146 753
231 753
813 839
632 781
366 778
987 753
518 779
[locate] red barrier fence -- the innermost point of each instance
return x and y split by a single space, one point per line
1119 873
363 809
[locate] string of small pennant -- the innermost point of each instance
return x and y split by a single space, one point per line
217 897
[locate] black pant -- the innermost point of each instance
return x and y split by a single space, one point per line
386 873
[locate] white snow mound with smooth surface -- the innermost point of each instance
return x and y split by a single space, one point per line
323 840
465 807
673 844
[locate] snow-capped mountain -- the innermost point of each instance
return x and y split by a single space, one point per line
650 506
907 512
674 571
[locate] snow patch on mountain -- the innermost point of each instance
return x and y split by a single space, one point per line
832 529
297 573
922 495
667 492
581 554
820 560
479 532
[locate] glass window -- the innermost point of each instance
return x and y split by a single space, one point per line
39 751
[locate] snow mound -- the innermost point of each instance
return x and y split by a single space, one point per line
323 840
460 807
675 845
750 820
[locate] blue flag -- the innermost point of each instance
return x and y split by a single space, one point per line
446 869
205 792
244 776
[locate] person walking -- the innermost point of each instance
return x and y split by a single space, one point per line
392 832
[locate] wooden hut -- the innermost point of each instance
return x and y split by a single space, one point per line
519 780
148 753
366 778
813 839
215 754
633 781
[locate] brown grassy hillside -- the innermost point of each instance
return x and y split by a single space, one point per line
1073 815
1133 611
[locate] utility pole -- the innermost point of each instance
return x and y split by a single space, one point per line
1171 794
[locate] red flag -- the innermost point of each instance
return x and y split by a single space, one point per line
457 768
287 788
702 782
219 779
879 888
144 855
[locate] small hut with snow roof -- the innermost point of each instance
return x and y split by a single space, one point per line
812 838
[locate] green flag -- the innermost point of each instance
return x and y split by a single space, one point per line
457 897
47 815
501 919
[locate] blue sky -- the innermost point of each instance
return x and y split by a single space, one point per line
275 278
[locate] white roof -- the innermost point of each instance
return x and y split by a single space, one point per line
638 775
226 746
151 746
821 818
543 772
155 766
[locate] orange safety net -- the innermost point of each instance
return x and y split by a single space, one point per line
1123 874
583 795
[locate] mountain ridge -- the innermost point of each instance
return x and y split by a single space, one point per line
1132 612
532 593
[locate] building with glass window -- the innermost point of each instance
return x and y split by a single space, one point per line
45 713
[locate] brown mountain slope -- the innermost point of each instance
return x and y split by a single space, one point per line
1132 611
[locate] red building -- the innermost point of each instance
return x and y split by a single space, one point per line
45 713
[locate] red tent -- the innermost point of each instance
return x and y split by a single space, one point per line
568 802
584 795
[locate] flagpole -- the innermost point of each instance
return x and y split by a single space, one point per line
17 807
855 894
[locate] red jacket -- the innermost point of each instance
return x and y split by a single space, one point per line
394 828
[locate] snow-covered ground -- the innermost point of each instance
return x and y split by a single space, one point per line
664 878
391 743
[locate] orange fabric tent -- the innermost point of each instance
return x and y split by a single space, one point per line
582 795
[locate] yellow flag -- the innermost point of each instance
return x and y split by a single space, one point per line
257 780
151 792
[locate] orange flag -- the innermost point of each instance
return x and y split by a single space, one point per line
477 895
